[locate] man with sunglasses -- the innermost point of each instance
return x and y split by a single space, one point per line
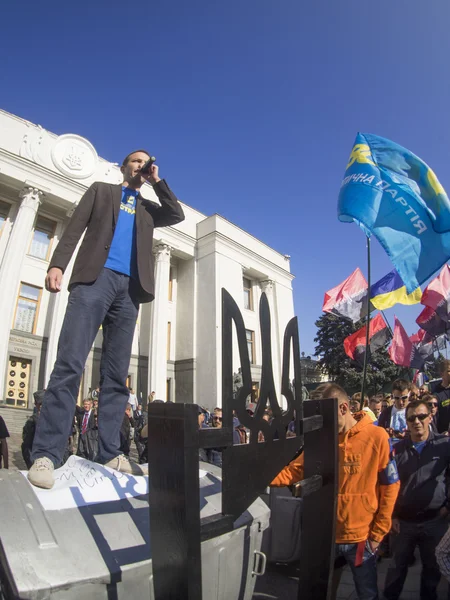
393 418
419 517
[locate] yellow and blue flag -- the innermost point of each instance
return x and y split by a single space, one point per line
391 290
391 193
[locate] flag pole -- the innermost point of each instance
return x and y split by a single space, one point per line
366 355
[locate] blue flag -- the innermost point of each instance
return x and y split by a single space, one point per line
394 195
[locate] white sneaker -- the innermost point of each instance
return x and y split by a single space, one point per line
123 464
41 473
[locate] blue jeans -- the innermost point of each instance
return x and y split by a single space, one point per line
365 575
427 536
109 301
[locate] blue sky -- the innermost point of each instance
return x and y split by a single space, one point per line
250 107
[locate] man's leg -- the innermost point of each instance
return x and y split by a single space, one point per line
364 575
431 533
403 547
85 312
118 332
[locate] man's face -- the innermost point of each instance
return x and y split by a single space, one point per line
400 398
422 390
433 406
217 419
343 409
375 407
139 406
128 411
446 375
418 421
87 405
130 171
201 419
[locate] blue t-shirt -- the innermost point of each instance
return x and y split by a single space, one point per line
122 254
419 446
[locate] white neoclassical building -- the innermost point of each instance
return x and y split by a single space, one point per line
177 344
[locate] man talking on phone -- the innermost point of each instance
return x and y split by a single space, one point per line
113 273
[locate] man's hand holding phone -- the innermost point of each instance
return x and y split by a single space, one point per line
150 171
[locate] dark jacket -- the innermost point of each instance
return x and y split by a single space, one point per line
384 420
97 212
443 416
423 490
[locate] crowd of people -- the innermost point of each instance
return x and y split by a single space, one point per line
394 466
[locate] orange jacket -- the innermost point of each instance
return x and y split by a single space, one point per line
368 482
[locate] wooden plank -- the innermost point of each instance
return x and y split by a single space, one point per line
319 509
174 499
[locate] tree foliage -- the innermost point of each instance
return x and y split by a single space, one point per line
381 371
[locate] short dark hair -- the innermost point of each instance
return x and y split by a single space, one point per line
127 157
334 390
415 404
401 385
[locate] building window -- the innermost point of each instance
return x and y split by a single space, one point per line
250 335
27 308
41 243
169 326
248 293
171 284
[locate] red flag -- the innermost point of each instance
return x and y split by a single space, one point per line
410 351
437 294
355 344
402 347
431 322
349 298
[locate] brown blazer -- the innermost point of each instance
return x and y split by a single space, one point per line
97 212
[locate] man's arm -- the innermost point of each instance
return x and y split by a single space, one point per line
292 473
74 230
4 445
389 487
170 211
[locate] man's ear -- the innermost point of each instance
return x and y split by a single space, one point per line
344 408
122 169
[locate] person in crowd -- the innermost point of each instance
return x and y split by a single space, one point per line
442 392
393 419
29 429
375 405
112 275
423 390
4 434
132 399
151 397
215 454
368 488
386 402
140 419
354 406
413 392
419 517
126 430
87 446
432 402
95 393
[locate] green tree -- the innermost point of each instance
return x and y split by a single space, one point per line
381 371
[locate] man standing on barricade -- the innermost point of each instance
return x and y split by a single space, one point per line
368 488
420 514
112 275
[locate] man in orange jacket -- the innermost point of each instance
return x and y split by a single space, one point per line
368 489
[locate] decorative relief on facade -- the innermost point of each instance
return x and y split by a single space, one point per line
31 197
74 156
267 285
35 145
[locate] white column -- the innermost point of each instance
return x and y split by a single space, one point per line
11 268
58 311
157 372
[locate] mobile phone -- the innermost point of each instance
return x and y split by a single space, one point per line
146 168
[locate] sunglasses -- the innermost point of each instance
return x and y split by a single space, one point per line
431 404
421 417
400 397
217 418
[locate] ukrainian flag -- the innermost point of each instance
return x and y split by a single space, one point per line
391 290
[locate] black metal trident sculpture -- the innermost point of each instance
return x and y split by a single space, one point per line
174 439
